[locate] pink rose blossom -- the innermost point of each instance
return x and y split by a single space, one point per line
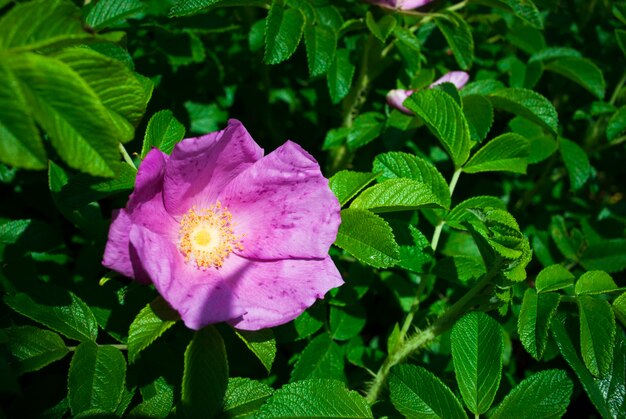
226 234
396 97
400 4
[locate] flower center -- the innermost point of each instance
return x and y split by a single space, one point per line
206 236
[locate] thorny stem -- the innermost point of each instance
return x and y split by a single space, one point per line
423 337
126 156
437 233
112 345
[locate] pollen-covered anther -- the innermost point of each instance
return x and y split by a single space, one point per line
206 236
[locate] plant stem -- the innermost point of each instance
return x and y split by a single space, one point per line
425 336
126 156
112 345
439 227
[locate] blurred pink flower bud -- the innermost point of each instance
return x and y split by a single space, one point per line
396 97
400 4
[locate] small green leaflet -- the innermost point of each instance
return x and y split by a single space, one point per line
108 12
477 356
205 375
322 358
158 399
367 237
581 71
616 125
597 333
32 348
321 43
619 307
96 378
508 152
74 319
459 36
417 393
553 278
283 31
163 132
315 398
261 343
339 76
397 195
192 7
381 29
526 103
151 322
346 184
365 129
608 255
544 394
244 397
595 282
445 119
347 322
479 114
534 320
11 230
577 163
460 213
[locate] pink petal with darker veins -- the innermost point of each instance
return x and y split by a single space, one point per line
283 207
275 292
201 296
458 78
199 168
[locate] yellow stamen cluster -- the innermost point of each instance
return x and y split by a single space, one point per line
206 236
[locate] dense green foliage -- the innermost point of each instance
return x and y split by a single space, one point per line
483 237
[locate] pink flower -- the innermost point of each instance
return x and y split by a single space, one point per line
396 97
226 234
400 4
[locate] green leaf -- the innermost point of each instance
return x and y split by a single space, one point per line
576 162
322 358
409 47
96 378
244 397
261 343
617 124
589 383
321 43
534 320
163 132
120 90
619 307
417 393
381 29
315 398
459 268
36 24
525 10
347 322
192 7
365 129
508 152
445 119
553 278
607 255
367 237
460 213
597 333
340 74
151 322
526 103
397 195
595 282
59 310
12 230
346 184
544 394
283 31
582 71
479 114
205 375
20 145
158 398
64 105
459 36
107 12
620 37
32 348
403 165
477 356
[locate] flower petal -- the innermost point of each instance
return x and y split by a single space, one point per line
145 207
275 292
458 78
201 297
396 98
200 167
283 207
